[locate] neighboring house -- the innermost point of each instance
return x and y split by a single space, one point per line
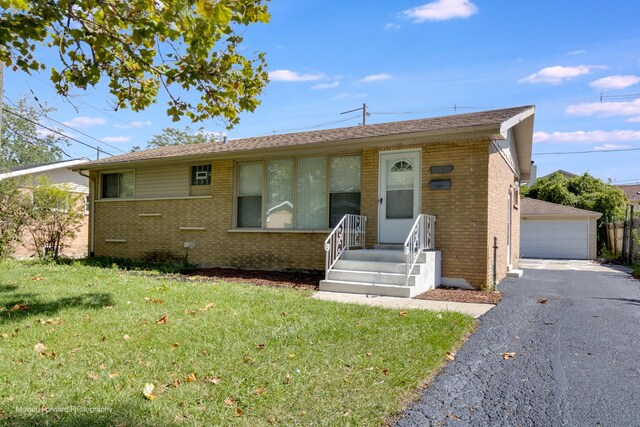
633 194
550 230
564 173
57 173
270 202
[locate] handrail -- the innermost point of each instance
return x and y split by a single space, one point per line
349 233
422 236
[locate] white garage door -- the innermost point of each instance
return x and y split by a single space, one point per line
554 239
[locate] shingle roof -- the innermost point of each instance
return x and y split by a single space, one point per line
632 191
535 207
458 121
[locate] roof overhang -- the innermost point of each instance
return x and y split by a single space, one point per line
71 164
522 127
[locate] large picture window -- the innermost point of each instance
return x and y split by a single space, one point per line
309 193
118 185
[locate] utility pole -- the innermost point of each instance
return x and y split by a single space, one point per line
98 153
364 113
1 94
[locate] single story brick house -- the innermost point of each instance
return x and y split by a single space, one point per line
295 201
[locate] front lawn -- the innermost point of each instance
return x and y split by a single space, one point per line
79 343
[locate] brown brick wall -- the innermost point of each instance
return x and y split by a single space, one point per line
461 212
462 227
501 182
216 245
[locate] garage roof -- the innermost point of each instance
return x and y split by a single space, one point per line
535 207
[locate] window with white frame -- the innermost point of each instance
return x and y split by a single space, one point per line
249 195
118 185
344 195
307 193
201 175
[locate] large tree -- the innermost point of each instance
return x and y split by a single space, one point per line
21 143
583 191
141 46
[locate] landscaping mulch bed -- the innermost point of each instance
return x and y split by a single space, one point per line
288 279
458 295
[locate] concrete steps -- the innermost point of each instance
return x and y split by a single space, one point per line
382 272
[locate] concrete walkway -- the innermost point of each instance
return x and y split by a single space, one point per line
475 310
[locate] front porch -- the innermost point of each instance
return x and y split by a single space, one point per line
403 270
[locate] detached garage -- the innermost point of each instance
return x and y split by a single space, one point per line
549 230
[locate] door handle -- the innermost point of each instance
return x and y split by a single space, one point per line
380 200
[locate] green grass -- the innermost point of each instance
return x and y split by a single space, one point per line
277 356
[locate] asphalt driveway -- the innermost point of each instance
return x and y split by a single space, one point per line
577 356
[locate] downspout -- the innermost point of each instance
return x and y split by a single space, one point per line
92 193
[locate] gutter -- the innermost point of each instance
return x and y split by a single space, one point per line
91 213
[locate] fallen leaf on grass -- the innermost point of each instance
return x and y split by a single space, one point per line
19 307
163 320
228 401
101 367
368 354
39 348
113 374
259 390
54 321
239 412
37 278
147 391
92 376
287 379
126 337
260 346
193 377
291 356
507 356
175 345
4 335
207 307
107 307
403 314
385 372
542 301
271 419
451 355
175 383
212 380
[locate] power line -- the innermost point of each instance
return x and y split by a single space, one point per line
67 126
56 132
28 140
586 152
101 111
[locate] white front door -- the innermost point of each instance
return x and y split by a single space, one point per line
399 198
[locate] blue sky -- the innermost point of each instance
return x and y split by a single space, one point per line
577 61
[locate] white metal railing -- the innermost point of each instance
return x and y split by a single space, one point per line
349 233
422 236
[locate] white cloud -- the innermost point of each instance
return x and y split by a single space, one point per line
116 139
392 26
293 76
83 121
576 52
135 124
326 85
607 109
586 137
557 74
441 10
349 95
606 147
375 78
615 82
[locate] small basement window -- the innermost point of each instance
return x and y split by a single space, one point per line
120 185
201 175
